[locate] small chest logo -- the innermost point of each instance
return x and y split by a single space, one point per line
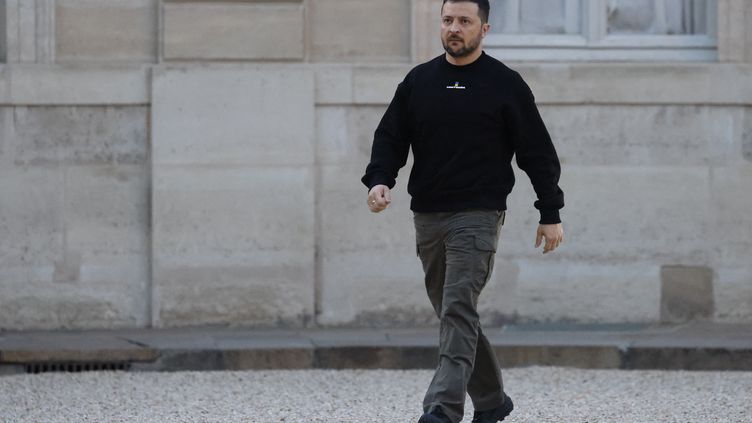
456 86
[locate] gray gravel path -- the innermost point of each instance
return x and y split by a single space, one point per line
541 394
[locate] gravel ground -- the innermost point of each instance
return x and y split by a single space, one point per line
541 394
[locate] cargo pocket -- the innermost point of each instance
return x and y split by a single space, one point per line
486 245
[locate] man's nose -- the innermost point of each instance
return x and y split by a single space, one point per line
455 28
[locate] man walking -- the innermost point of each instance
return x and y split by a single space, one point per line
465 115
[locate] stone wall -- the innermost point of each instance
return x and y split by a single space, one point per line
74 236
172 163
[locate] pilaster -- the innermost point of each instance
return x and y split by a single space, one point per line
426 43
30 31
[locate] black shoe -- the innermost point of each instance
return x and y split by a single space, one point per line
495 414
435 416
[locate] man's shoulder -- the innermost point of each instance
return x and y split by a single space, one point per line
424 67
500 68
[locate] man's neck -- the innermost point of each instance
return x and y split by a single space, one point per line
464 60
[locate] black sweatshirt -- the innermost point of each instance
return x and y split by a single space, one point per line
464 124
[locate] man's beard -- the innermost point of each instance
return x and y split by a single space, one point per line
467 49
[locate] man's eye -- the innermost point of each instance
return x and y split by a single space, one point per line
465 21
447 21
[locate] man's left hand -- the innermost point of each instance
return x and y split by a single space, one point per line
554 235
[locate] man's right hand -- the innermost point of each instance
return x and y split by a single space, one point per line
379 198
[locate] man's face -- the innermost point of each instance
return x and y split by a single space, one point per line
461 28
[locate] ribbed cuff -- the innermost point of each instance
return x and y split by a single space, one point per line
379 179
549 217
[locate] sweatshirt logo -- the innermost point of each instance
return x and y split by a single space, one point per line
456 86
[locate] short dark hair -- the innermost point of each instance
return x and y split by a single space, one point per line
484 9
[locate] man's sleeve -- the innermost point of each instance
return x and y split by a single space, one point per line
390 142
536 154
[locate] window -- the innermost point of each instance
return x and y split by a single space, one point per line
603 30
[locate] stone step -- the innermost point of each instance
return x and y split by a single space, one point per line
698 346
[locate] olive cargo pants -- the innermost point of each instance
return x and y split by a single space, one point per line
457 252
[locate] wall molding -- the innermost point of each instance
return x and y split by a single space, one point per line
342 84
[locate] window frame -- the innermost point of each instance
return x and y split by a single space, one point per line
593 43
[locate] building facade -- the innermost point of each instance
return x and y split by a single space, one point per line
191 162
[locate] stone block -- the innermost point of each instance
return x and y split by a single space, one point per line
105 351
688 359
333 142
334 85
262 359
562 290
585 357
4 85
116 30
360 30
637 83
377 85
748 41
75 85
686 293
233 30
107 239
219 359
370 273
644 135
32 226
747 134
3 44
26 306
426 18
374 357
621 214
233 245
233 196
345 135
732 294
6 127
73 247
107 214
79 135
185 360
75 237
729 214
233 115
733 30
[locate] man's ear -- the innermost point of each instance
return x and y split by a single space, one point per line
485 28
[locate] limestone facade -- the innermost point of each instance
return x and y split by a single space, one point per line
173 162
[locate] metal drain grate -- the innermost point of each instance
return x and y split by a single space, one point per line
76 367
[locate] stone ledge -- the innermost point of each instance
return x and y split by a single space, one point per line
677 358
393 357
698 346
23 356
231 359
361 84
74 85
